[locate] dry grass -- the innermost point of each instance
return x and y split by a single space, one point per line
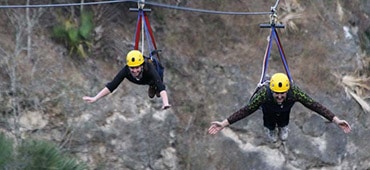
291 12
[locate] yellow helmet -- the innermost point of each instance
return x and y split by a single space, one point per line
279 83
134 58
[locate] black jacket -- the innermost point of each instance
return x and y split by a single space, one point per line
150 77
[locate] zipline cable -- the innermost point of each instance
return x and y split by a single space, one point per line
207 11
148 3
64 5
273 8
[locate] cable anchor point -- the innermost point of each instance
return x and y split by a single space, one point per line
141 4
273 16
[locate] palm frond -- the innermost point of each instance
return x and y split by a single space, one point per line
365 105
358 87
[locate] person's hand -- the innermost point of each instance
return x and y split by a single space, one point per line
89 99
215 127
164 107
344 125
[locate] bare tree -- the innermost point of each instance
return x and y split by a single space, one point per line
18 51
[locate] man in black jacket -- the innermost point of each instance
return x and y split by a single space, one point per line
138 71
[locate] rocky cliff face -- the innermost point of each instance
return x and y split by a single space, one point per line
213 64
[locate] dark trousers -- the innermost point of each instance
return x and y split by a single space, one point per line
271 120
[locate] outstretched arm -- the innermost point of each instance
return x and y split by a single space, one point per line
342 124
257 100
164 97
320 109
217 126
101 94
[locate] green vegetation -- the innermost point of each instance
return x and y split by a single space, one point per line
6 151
35 155
75 35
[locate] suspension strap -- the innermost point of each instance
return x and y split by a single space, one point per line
137 31
273 37
150 38
282 55
144 29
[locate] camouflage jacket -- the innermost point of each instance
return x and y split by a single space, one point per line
263 98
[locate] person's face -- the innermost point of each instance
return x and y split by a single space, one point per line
135 71
279 97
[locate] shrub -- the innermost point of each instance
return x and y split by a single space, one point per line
6 152
75 35
35 155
